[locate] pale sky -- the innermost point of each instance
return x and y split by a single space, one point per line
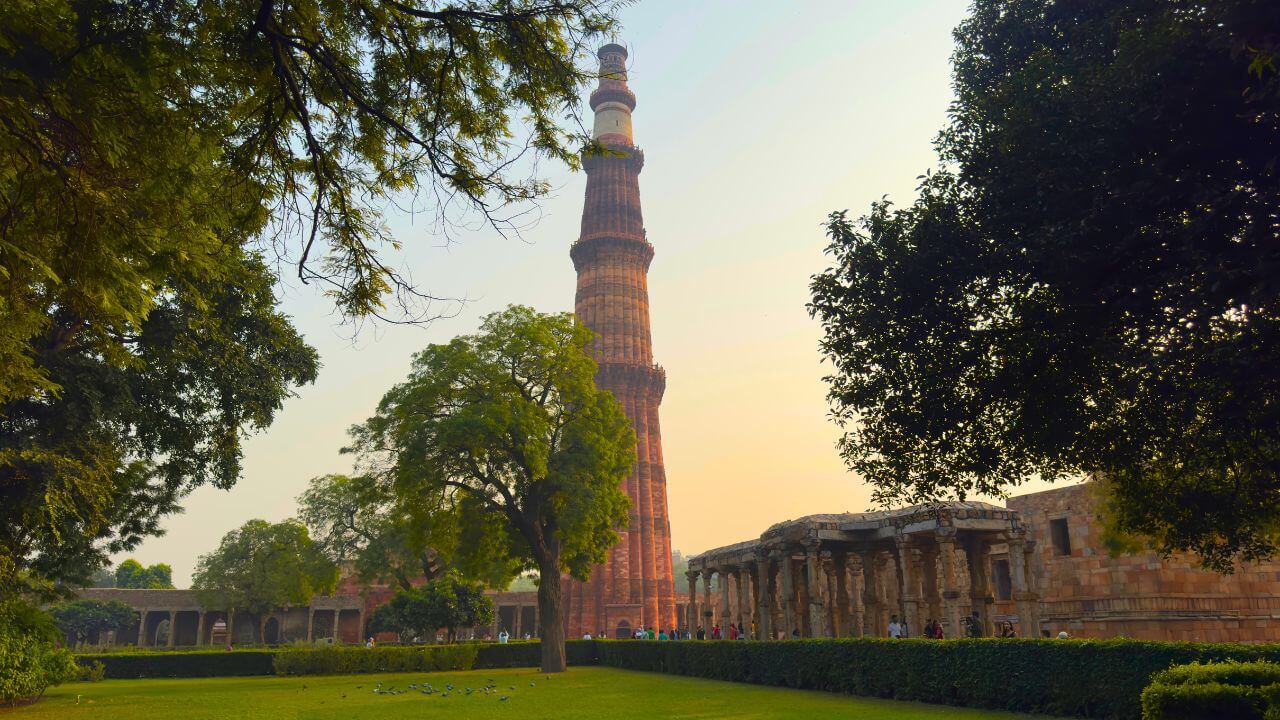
757 120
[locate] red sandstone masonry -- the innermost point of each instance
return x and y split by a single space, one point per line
634 587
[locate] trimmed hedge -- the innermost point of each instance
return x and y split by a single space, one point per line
1245 690
529 654
1083 678
332 660
357 660
185 664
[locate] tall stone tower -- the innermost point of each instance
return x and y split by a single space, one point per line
633 588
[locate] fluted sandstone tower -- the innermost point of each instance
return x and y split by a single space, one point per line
634 586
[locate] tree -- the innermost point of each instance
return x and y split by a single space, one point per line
146 137
90 470
445 602
131 574
260 567
1089 286
508 430
362 521
86 618
102 578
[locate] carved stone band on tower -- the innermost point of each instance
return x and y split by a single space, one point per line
633 588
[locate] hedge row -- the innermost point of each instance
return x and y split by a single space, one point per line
1245 691
192 663
1083 678
335 660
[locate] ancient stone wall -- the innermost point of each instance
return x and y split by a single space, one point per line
1087 593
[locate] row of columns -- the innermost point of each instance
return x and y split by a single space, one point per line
805 589
144 637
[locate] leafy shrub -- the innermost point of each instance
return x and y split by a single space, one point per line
1231 672
186 663
1203 701
1083 678
29 660
93 672
1204 691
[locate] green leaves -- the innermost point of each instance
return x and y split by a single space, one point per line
446 602
131 574
263 566
508 425
1087 288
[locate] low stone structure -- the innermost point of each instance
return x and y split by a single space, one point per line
846 575
1088 593
175 618
1039 563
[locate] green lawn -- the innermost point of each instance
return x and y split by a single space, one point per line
582 692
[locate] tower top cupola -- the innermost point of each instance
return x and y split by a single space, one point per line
612 100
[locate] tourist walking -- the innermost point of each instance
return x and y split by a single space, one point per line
1006 630
715 631
733 631
503 637
702 634
895 628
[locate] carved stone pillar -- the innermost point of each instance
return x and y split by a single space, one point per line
910 586
787 593
725 613
200 629
1027 601
929 581
691 612
764 595
705 620
842 617
946 539
311 624
980 596
173 625
815 581
744 599
870 595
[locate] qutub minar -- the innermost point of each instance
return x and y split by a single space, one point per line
633 588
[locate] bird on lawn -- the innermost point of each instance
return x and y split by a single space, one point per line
502 699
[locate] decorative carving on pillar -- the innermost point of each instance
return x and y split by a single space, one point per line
815 581
871 626
909 582
787 592
691 612
946 539
765 589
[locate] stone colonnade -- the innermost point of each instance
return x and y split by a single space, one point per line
173 618
847 575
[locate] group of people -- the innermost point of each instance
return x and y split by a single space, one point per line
733 632
970 625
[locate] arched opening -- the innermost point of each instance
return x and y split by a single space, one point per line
623 631
271 631
163 628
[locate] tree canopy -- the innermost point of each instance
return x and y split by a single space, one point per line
91 470
261 566
446 602
155 150
507 429
385 536
131 574
1089 284
85 618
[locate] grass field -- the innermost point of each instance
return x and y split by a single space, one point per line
583 692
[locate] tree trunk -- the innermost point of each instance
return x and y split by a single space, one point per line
549 606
